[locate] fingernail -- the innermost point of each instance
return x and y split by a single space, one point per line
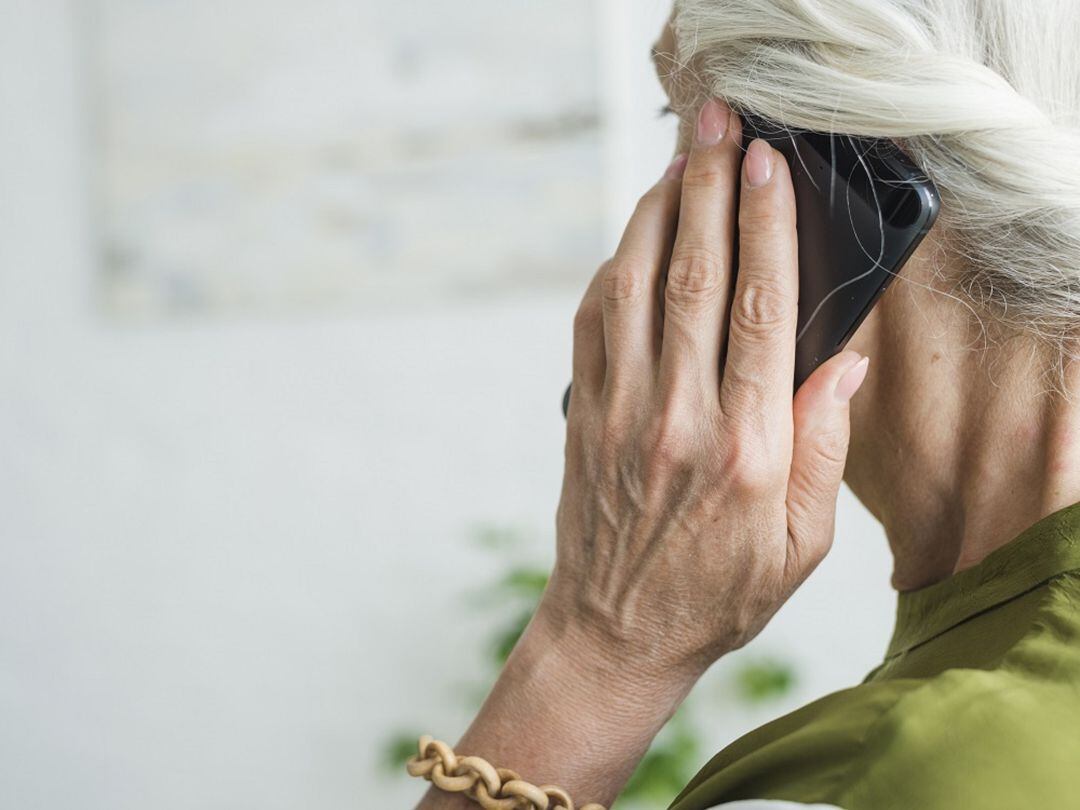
676 169
712 122
849 383
759 163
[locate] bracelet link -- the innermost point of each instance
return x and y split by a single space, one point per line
490 787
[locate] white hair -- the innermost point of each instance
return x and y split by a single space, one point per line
984 95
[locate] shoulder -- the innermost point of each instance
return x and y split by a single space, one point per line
996 740
992 739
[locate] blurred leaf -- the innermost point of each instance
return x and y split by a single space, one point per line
763 680
506 639
519 582
474 695
469 693
667 766
528 582
397 749
496 537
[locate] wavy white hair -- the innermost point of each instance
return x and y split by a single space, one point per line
984 95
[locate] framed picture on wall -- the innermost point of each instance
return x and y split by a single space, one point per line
273 156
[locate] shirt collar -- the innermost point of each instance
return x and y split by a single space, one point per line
1042 551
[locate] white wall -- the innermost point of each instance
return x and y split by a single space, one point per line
231 553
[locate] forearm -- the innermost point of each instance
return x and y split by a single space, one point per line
566 712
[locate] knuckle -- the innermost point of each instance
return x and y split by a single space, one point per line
830 449
669 443
752 472
754 477
766 216
760 307
707 176
621 282
693 274
743 391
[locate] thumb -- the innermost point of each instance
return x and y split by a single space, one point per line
821 423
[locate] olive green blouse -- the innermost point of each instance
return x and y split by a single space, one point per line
977 703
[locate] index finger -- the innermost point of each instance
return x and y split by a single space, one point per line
760 363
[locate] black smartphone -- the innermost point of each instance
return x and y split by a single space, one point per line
862 208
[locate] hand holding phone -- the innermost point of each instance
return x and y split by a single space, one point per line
697 492
862 208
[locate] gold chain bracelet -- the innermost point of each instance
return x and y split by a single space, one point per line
492 788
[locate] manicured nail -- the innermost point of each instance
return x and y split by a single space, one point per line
677 167
712 122
851 380
759 163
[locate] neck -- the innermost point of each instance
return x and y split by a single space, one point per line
956 451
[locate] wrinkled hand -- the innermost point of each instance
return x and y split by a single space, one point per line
697 494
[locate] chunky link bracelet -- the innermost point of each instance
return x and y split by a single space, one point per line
492 788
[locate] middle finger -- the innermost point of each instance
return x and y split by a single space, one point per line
699 275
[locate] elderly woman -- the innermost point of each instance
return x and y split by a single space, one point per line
698 494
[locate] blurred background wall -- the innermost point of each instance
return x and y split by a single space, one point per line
285 304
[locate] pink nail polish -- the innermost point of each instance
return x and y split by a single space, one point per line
849 383
676 169
712 122
759 163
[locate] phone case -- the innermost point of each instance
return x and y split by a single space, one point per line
862 208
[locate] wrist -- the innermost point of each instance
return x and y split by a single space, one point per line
624 683
571 711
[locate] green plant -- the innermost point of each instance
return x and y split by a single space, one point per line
667 766
759 681
396 749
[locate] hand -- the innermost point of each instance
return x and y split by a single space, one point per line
697 495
